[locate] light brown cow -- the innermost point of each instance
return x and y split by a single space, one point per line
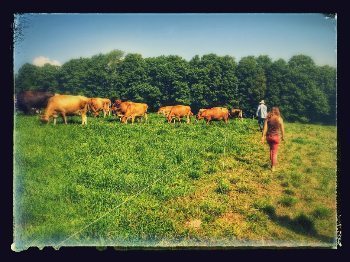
221 108
119 108
165 110
178 112
236 112
98 104
107 105
66 105
215 113
135 110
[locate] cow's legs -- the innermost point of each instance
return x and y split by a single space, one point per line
146 118
64 117
54 120
188 119
83 119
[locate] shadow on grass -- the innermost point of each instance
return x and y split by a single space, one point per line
301 224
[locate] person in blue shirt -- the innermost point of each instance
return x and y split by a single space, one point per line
261 113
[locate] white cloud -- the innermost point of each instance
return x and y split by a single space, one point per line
42 60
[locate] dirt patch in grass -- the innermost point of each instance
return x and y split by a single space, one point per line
193 224
230 218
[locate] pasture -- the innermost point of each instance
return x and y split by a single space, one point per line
160 184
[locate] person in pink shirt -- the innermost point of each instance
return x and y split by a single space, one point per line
273 131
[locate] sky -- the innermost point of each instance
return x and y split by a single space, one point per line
57 38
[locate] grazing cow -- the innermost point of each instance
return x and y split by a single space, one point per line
135 110
221 108
215 113
32 101
100 104
165 110
178 112
107 105
119 108
66 105
201 110
236 112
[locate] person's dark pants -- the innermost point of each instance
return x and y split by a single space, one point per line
261 123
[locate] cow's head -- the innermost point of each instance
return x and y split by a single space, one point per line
44 119
199 115
169 117
117 102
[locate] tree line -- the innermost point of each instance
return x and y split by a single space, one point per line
302 90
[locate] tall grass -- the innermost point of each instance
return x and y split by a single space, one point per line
112 184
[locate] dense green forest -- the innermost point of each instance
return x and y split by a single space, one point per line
304 91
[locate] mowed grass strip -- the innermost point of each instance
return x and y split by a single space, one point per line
200 184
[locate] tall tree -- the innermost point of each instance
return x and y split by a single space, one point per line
327 83
48 77
276 82
169 74
131 72
73 78
252 84
213 81
309 101
27 78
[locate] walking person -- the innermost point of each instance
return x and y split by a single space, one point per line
261 113
272 132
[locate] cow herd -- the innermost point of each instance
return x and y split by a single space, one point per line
66 105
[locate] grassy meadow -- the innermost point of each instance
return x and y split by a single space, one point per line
160 184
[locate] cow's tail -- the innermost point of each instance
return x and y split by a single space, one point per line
87 106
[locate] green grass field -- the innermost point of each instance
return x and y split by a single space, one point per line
158 184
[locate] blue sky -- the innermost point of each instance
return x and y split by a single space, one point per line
57 38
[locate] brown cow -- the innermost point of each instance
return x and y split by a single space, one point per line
119 108
100 104
135 110
236 112
178 112
32 101
215 113
66 105
107 105
203 109
165 110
